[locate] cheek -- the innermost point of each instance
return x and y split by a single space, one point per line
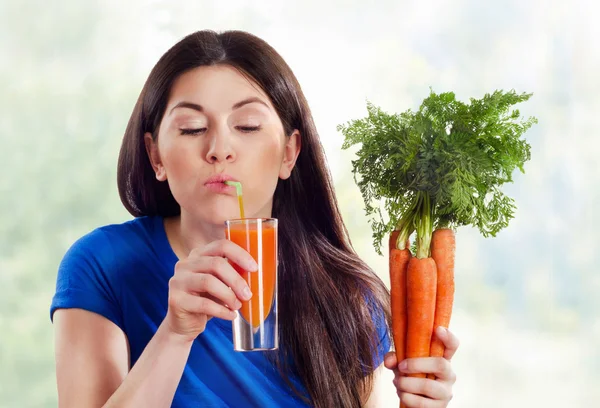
181 170
269 158
263 170
175 158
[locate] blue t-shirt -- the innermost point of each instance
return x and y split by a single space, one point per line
122 272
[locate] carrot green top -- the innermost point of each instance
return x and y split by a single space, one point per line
441 166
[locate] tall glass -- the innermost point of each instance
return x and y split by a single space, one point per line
256 326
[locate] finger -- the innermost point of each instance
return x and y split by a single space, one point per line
423 386
205 283
450 341
417 401
428 365
220 268
211 297
230 250
201 305
390 361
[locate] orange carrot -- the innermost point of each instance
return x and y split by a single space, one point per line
393 239
443 244
421 286
399 259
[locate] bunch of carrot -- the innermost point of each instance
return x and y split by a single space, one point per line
434 170
422 294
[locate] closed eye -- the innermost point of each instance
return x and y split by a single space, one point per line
244 129
192 131
248 129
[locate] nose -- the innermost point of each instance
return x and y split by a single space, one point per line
219 147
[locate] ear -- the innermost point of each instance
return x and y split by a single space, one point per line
290 155
154 156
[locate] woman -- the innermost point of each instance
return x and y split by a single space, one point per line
140 309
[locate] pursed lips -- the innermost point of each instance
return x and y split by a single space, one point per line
217 184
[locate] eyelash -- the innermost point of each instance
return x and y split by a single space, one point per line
243 129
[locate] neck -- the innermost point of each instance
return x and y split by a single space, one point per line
185 234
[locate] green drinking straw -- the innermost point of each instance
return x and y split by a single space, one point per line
238 189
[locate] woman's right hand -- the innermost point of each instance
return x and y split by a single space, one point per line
205 285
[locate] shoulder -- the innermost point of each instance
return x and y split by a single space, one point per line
92 273
108 243
136 229
104 253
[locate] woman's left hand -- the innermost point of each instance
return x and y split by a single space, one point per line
424 392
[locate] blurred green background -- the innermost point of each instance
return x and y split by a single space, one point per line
527 303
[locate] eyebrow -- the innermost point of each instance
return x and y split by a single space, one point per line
199 108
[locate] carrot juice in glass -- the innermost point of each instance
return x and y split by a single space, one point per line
256 326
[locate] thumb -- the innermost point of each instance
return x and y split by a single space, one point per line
390 361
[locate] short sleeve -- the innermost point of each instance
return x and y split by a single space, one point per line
383 333
383 340
83 279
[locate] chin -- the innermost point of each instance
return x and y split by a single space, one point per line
217 214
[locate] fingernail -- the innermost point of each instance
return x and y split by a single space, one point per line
237 304
252 266
403 365
246 293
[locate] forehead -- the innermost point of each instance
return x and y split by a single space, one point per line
216 87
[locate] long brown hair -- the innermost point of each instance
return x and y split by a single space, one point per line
327 295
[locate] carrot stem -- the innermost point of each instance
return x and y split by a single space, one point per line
424 226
